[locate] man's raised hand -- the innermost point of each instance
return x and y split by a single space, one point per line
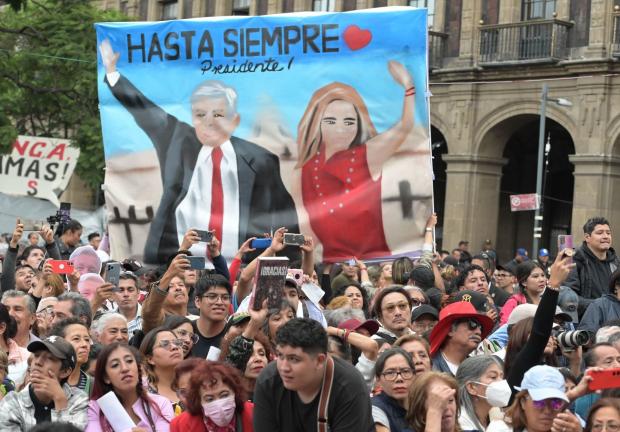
108 56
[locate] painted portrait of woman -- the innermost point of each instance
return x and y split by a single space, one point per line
341 158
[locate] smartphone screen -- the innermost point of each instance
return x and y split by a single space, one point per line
565 241
196 262
113 272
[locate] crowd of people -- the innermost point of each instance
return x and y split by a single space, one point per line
451 341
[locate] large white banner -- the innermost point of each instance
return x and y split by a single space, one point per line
38 167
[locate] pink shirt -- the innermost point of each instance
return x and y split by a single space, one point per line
162 422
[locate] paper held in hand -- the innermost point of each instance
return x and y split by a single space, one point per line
115 413
269 282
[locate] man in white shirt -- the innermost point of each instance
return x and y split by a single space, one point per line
211 179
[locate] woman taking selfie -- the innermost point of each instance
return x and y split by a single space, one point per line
118 370
216 402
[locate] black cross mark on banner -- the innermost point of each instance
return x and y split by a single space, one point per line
131 219
406 199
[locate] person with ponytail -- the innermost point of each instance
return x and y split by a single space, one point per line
119 370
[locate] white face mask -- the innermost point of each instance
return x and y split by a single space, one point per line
497 394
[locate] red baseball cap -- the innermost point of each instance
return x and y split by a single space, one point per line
352 324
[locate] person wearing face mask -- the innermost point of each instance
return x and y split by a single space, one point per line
481 387
216 402
119 371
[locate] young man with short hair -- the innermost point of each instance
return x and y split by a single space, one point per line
595 261
48 398
213 296
289 391
94 239
126 299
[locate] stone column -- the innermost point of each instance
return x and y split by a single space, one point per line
470 17
601 25
509 11
472 199
597 190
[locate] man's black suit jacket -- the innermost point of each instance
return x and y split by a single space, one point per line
264 202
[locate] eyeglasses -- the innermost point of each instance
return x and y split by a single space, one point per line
184 334
502 275
421 327
170 344
182 393
390 375
553 404
472 323
401 306
609 426
212 298
416 302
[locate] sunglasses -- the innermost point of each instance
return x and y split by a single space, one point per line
472 323
553 404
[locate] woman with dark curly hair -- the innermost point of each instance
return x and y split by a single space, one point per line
216 401
18 356
251 351
119 371
357 295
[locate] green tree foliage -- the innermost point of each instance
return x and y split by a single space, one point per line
48 76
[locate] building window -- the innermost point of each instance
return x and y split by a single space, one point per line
288 6
143 9
429 4
188 5
379 3
538 9
324 5
123 7
170 10
241 7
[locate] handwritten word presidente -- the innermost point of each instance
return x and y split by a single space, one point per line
250 42
269 65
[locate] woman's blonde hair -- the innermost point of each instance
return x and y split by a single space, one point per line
515 415
418 392
56 283
309 128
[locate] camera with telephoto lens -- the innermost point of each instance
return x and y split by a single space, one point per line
62 217
569 340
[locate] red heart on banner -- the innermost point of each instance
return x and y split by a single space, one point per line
356 38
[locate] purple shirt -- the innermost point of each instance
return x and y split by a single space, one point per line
161 421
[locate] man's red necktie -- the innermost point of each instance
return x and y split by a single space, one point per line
217 195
